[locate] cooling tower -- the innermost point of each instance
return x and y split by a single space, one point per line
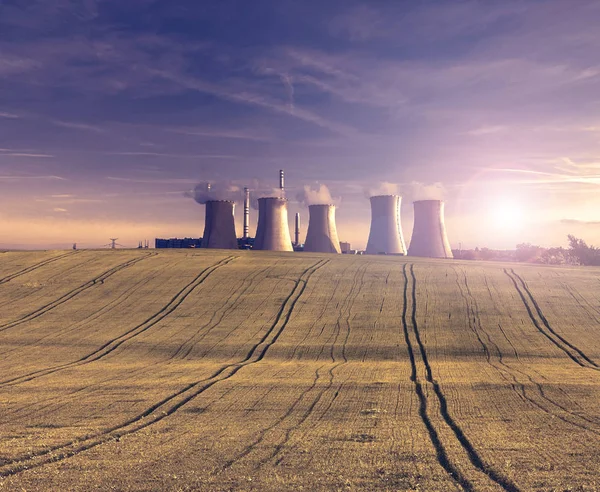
385 236
219 226
429 232
273 232
322 234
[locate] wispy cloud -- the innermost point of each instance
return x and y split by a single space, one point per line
177 156
583 222
11 116
207 132
78 126
186 181
486 130
23 154
253 99
552 177
26 178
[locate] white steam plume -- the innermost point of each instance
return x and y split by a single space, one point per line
205 192
415 190
262 190
423 191
383 188
316 195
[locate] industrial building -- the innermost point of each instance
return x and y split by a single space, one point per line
385 236
429 237
187 242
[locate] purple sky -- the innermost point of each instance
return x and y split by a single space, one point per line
110 111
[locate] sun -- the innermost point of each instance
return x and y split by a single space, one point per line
507 215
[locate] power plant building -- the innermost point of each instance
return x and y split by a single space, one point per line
385 236
219 226
429 237
273 233
177 243
322 236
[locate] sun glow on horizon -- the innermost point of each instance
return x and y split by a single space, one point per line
507 214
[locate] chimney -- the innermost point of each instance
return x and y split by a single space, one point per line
297 230
219 225
429 231
246 213
322 234
385 236
281 182
273 231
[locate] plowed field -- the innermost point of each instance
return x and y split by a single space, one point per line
234 370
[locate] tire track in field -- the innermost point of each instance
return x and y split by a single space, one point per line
172 403
516 354
517 386
263 433
49 401
116 342
324 310
255 308
34 267
76 263
572 291
440 450
186 347
557 340
102 311
347 311
252 408
540 388
73 293
466 444
547 324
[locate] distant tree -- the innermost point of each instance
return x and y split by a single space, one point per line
582 253
556 256
487 254
527 252
468 254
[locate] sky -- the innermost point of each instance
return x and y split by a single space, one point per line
111 112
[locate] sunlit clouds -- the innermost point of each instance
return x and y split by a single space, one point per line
110 111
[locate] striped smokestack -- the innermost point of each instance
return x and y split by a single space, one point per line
297 230
246 213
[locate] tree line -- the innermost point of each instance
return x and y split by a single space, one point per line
578 253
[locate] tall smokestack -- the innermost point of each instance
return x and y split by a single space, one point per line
297 230
246 213
386 234
219 226
429 232
273 232
322 234
281 183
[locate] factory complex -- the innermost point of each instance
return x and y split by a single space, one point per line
429 237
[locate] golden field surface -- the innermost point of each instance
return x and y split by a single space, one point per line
237 370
